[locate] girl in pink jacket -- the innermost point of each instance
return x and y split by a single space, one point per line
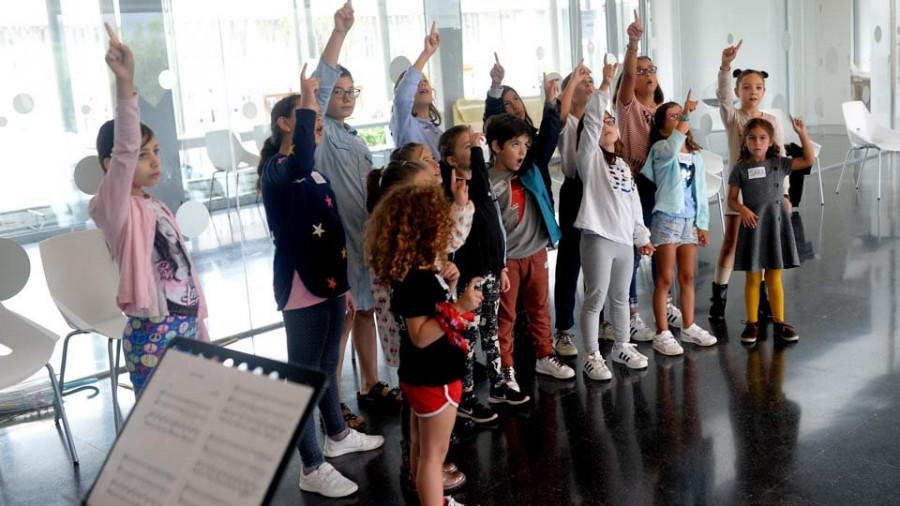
159 289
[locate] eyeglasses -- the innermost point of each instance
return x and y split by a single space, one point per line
645 71
609 121
673 116
340 92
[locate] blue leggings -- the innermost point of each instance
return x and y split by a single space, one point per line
314 340
145 339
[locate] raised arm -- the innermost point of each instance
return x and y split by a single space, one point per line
723 87
405 92
809 153
109 208
493 104
327 69
301 159
590 134
432 42
629 73
565 101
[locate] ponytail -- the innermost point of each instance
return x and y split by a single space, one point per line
284 108
373 188
397 172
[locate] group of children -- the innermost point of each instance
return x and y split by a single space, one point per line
442 249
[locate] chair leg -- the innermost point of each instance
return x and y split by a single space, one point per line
837 189
62 367
114 382
61 412
863 166
721 210
821 189
879 173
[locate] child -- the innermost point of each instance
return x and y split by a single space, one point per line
636 97
159 289
611 227
750 88
406 242
311 285
527 215
379 182
415 117
766 238
504 99
577 90
680 219
345 159
482 255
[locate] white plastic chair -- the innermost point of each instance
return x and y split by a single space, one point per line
865 134
714 165
83 280
228 156
790 136
30 345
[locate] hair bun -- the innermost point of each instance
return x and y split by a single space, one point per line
764 74
736 73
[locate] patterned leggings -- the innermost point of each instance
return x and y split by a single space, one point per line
487 327
145 339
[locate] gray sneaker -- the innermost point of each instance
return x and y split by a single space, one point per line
564 344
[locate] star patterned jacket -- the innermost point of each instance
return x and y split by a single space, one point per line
302 212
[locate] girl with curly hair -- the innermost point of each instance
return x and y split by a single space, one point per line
406 243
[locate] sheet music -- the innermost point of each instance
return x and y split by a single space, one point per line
202 434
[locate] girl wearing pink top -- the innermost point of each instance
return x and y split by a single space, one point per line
637 95
158 287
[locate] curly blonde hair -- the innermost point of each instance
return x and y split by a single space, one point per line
409 229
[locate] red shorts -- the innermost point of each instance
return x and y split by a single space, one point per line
430 401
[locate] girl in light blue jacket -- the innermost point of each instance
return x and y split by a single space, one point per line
680 219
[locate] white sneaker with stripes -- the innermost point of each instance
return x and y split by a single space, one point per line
594 367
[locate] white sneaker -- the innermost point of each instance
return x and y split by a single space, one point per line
673 315
564 345
354 442
627 354
607 331
695 334
509 376
327 481
594 367
551 366
666 344
639 330
450 501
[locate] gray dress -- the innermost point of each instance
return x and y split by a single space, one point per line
771 244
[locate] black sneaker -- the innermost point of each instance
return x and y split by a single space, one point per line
505 395
470 408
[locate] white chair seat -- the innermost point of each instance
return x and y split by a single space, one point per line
31 345
864 135
111 328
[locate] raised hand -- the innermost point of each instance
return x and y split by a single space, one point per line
730 53
119 57
579 73
475 138
689 105
309 87
609 70
343 18
551 88
497 73
635 30
432 40
799 126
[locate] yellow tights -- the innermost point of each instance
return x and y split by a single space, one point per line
775 293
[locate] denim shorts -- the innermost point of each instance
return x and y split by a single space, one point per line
667 229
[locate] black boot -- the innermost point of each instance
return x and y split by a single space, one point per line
718 299
765 311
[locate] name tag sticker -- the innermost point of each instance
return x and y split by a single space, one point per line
756 172
317 177
685 158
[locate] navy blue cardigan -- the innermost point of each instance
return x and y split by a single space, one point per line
302 213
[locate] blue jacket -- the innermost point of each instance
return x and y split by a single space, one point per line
664 169
533 182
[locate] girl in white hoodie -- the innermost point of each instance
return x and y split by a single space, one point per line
612 223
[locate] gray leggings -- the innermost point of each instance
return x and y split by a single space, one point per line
607 268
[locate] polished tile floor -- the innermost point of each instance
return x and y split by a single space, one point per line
813 423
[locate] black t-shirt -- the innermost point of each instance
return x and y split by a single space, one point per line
440 362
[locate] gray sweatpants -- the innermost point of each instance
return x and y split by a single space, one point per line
607 268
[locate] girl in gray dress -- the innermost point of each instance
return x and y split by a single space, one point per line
766 240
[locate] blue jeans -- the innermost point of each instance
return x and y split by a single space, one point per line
314 340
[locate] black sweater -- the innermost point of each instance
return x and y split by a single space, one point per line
484 251
302 213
